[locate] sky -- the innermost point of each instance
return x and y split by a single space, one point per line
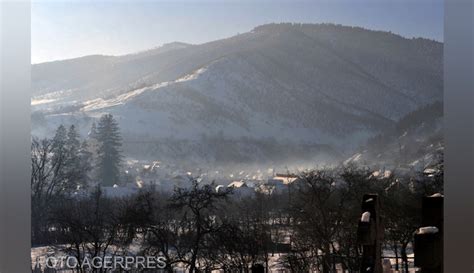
73 28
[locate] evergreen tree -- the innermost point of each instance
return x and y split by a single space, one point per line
72 146
72 162
58 147
93 132
59 154
109 150
73 137
85 159
92 143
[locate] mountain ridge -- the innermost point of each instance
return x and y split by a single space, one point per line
317 84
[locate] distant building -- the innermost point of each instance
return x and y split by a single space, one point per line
220 188
280 183
237 184
241 189
286 178
275 186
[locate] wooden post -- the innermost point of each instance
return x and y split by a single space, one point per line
370 234
428 241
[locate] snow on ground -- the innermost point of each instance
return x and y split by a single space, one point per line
275 260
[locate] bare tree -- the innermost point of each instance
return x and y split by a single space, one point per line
244 238
47 184
160 228
317 214
94 226
198 205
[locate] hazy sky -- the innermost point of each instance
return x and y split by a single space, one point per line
72 28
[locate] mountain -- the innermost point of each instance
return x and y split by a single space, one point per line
279 92
415 142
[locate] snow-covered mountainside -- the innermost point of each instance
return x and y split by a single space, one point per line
415 142
279 92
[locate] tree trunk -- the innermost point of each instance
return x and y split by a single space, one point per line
396 256
192 267
267 267
326 266
327 260
404 256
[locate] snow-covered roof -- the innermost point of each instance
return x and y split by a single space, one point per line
382 174
275 182
428 230
430 171
285 179
437 195
237 184
219 188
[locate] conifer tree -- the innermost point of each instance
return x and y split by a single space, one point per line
109 150
93 144
72 168
73 142
58 147
59 154
93 132
85 165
